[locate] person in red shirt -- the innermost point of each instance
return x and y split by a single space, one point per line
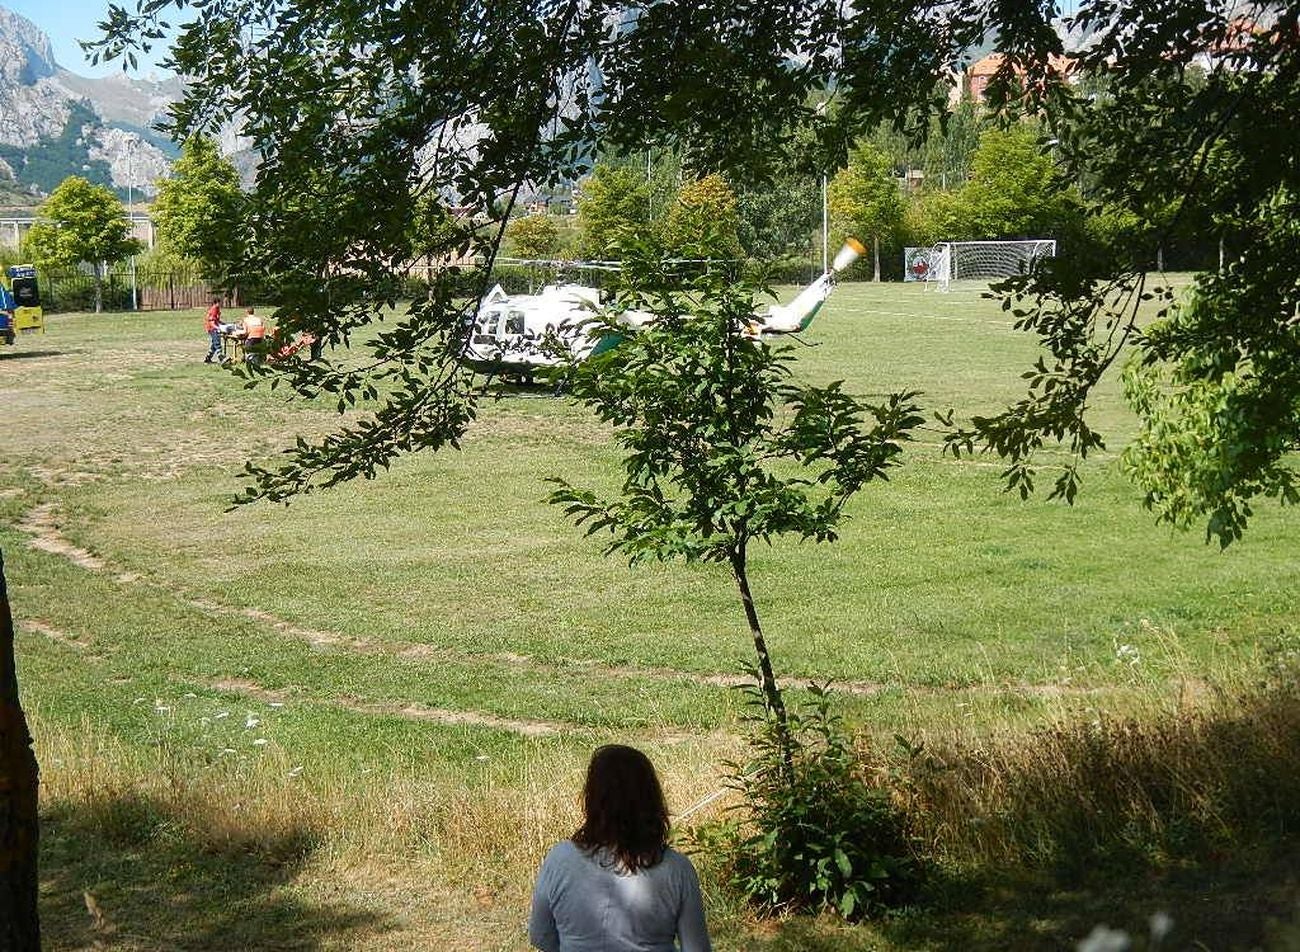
212 324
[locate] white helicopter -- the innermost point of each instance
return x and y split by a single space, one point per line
522 334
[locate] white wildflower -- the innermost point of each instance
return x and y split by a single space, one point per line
277 704
250 722
295 772
1106 939
260 742
1128 654
220 715
1162 923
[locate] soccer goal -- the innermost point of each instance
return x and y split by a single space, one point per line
952 261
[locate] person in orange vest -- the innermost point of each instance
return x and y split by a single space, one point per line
212 324
254 333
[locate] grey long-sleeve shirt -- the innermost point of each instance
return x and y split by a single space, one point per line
583 903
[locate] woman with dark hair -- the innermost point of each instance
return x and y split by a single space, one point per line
616 885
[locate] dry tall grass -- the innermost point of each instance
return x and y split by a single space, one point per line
1189 783
485 833
1199 780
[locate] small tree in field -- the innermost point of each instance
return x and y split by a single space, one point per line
533 236
864 198
78 223
197 210
722 450
1014 190
705 206
613 207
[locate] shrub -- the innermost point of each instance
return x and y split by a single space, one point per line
792 269
820 831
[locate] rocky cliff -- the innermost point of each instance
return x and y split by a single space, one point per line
54 123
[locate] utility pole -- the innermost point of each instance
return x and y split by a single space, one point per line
821 110
130 213
825 227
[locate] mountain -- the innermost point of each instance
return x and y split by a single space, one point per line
55 123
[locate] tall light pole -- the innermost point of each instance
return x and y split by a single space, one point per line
825 227
130 213
821 110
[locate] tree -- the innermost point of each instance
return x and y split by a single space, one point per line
197 211
949 149
1014 190
1215 380
779 217
533 236
614 206
703 221
721 450
19 780
78 223
864 198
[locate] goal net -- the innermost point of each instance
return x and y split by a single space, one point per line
984 260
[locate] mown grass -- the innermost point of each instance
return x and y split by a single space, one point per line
355 626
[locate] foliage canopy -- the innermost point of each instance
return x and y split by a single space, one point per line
614 207
864 198
197 210
360 111
81 222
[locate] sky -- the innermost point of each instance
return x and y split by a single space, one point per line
66 22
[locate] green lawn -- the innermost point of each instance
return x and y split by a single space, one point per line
441 626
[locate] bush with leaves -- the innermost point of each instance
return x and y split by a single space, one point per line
824 834
533 236
703 206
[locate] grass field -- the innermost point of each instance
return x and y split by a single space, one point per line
358 721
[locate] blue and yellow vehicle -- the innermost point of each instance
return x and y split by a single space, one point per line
20 303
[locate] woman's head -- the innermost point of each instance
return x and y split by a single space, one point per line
623 807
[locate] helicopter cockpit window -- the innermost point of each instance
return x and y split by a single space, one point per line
485 326
515 322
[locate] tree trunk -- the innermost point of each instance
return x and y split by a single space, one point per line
20 928
99 288
1160 258
771 691
875 254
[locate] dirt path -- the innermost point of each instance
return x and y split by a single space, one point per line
41 523
410 711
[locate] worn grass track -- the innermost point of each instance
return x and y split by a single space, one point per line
429 657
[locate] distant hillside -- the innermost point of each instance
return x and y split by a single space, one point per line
54 123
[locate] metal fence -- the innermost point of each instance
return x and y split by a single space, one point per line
73 289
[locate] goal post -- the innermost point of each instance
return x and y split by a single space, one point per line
953 261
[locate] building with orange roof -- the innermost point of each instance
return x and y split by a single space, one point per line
980 73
